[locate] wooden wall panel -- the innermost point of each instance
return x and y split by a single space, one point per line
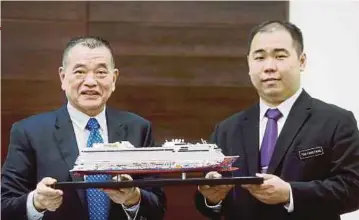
31 65
183 70
182 64
39 35
190 12
173 39
33 49
44 11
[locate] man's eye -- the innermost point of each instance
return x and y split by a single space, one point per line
281 56
258 58
79 72
102 72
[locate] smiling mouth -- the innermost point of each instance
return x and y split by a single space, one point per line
270 80
90 93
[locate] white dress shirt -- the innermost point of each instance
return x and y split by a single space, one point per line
79 122
284 108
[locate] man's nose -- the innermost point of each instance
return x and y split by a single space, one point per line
270 66
90 79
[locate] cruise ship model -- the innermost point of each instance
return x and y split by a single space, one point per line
174 155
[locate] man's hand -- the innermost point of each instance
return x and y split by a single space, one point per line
214 194
274 190
125 196
45 197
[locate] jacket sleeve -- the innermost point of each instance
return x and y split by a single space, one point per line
339 192
18 175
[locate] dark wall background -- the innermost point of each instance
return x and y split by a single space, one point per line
182 64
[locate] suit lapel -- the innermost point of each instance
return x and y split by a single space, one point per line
298 115
65 138
67 144
250 129
117 131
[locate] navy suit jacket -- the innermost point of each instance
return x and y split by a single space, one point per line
317 152
45 146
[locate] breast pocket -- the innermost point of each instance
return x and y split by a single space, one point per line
313 161
308 153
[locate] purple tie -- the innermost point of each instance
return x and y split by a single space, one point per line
270 138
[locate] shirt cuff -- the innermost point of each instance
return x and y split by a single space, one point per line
290 206
132 211
31 212
215 208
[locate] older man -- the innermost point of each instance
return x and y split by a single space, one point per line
43 148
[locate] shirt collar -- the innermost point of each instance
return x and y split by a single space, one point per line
283 107
81 119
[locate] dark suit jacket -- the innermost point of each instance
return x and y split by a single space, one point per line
45 146
324 185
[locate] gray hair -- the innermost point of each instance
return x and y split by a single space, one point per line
87 41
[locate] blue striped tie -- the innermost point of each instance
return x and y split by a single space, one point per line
98 201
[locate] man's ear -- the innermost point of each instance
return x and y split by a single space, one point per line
62 77
303 61
116 74
248 63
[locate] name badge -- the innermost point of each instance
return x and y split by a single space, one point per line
312 152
